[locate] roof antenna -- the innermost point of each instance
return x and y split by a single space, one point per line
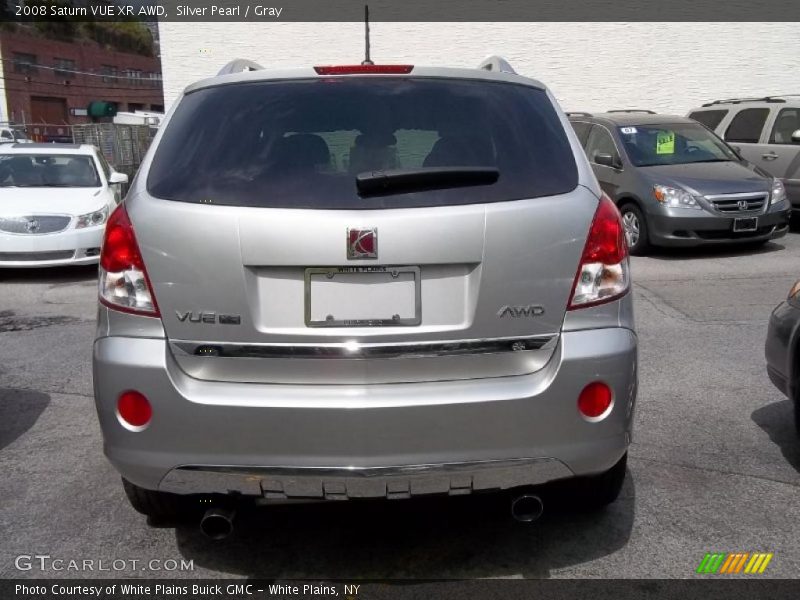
367 60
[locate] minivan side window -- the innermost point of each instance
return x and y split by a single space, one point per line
582 131
746 126
786 124
600 142
709 118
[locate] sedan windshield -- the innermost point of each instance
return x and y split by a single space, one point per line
673 144
47 170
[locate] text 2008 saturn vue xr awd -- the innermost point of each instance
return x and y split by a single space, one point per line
359 282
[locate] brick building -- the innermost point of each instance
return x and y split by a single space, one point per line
44 79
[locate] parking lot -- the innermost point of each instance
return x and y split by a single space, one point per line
714 466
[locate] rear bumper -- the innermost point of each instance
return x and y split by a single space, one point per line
395 440
70 247
692 229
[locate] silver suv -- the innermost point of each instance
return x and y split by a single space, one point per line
765 131
367 281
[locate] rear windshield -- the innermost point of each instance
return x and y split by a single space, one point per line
301 144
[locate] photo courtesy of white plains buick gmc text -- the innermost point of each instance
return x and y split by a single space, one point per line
368 281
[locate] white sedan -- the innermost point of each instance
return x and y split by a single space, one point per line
54 203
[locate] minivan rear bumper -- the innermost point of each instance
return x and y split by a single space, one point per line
300 441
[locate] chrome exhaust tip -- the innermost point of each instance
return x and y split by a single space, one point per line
526 508
217 523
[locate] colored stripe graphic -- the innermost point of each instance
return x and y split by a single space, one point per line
733 562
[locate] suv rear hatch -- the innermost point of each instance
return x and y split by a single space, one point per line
362 229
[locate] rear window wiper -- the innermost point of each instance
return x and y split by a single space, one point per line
398 181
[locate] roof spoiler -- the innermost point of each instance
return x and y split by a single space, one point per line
497 64
239 65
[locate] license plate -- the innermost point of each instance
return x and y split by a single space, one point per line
362 296
746 224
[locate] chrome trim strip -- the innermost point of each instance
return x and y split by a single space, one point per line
342 483
355 350
754 196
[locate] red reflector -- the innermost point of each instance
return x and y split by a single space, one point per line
594 399
134 408
354 69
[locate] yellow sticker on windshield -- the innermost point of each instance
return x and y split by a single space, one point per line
665 142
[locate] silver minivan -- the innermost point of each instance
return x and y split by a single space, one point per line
765 131
369 281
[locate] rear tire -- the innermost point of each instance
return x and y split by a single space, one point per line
595 492
158 505
636 233
797 418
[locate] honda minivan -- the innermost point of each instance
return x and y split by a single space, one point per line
677 184
364 281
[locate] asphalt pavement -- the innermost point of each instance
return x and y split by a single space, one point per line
714 466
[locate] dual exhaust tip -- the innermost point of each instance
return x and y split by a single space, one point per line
217 523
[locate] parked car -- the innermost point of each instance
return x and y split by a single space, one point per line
677 184
781 349
765 131
13 135
284 317
54 203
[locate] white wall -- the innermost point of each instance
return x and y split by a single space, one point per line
668 67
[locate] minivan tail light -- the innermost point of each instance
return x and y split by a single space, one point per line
364 69
124 284
603 273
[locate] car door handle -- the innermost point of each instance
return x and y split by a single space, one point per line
769 156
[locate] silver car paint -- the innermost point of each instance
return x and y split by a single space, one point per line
365 412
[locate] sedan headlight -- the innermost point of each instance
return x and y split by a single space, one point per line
674 197
778 193
92 219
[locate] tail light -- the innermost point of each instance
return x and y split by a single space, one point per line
364 69
124 284
603 273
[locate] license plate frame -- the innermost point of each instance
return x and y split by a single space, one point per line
745 224
331 272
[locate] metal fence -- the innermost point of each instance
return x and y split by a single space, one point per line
123 146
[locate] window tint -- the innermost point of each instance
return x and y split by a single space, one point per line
582 130
300 144
786 124
709 118
600 142
747 125
6 134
